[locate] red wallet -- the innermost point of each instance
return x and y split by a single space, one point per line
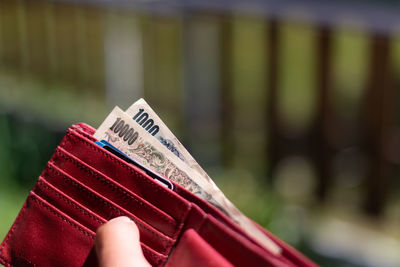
84 185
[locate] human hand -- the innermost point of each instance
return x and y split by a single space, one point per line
117 244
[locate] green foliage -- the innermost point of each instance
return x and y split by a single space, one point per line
26 146
12 198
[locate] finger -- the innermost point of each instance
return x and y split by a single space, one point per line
117 244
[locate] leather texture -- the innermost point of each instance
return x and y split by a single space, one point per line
84 186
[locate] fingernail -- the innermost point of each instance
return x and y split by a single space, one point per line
122 218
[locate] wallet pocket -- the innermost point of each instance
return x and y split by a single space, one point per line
125 174
44 236
104 207
115 192
87 218
69 206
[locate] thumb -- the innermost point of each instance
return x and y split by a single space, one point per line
117 244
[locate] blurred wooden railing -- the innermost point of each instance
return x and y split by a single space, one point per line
181 55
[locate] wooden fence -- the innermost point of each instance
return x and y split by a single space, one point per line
240 87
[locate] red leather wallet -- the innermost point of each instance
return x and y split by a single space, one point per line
83 186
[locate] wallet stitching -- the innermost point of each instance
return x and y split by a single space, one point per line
105 203
70 202
157 257
23 257
17 222
136 173
84 212
112 186
20 257
62 217
4 262
70 134
78 129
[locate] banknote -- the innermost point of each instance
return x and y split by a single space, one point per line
120 130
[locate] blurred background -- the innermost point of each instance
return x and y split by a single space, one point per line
292 107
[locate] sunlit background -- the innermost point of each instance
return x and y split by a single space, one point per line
290 106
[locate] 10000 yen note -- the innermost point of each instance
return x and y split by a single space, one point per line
121 131
144 116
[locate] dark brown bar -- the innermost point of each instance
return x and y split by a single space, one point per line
378 124
320 136
273 66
